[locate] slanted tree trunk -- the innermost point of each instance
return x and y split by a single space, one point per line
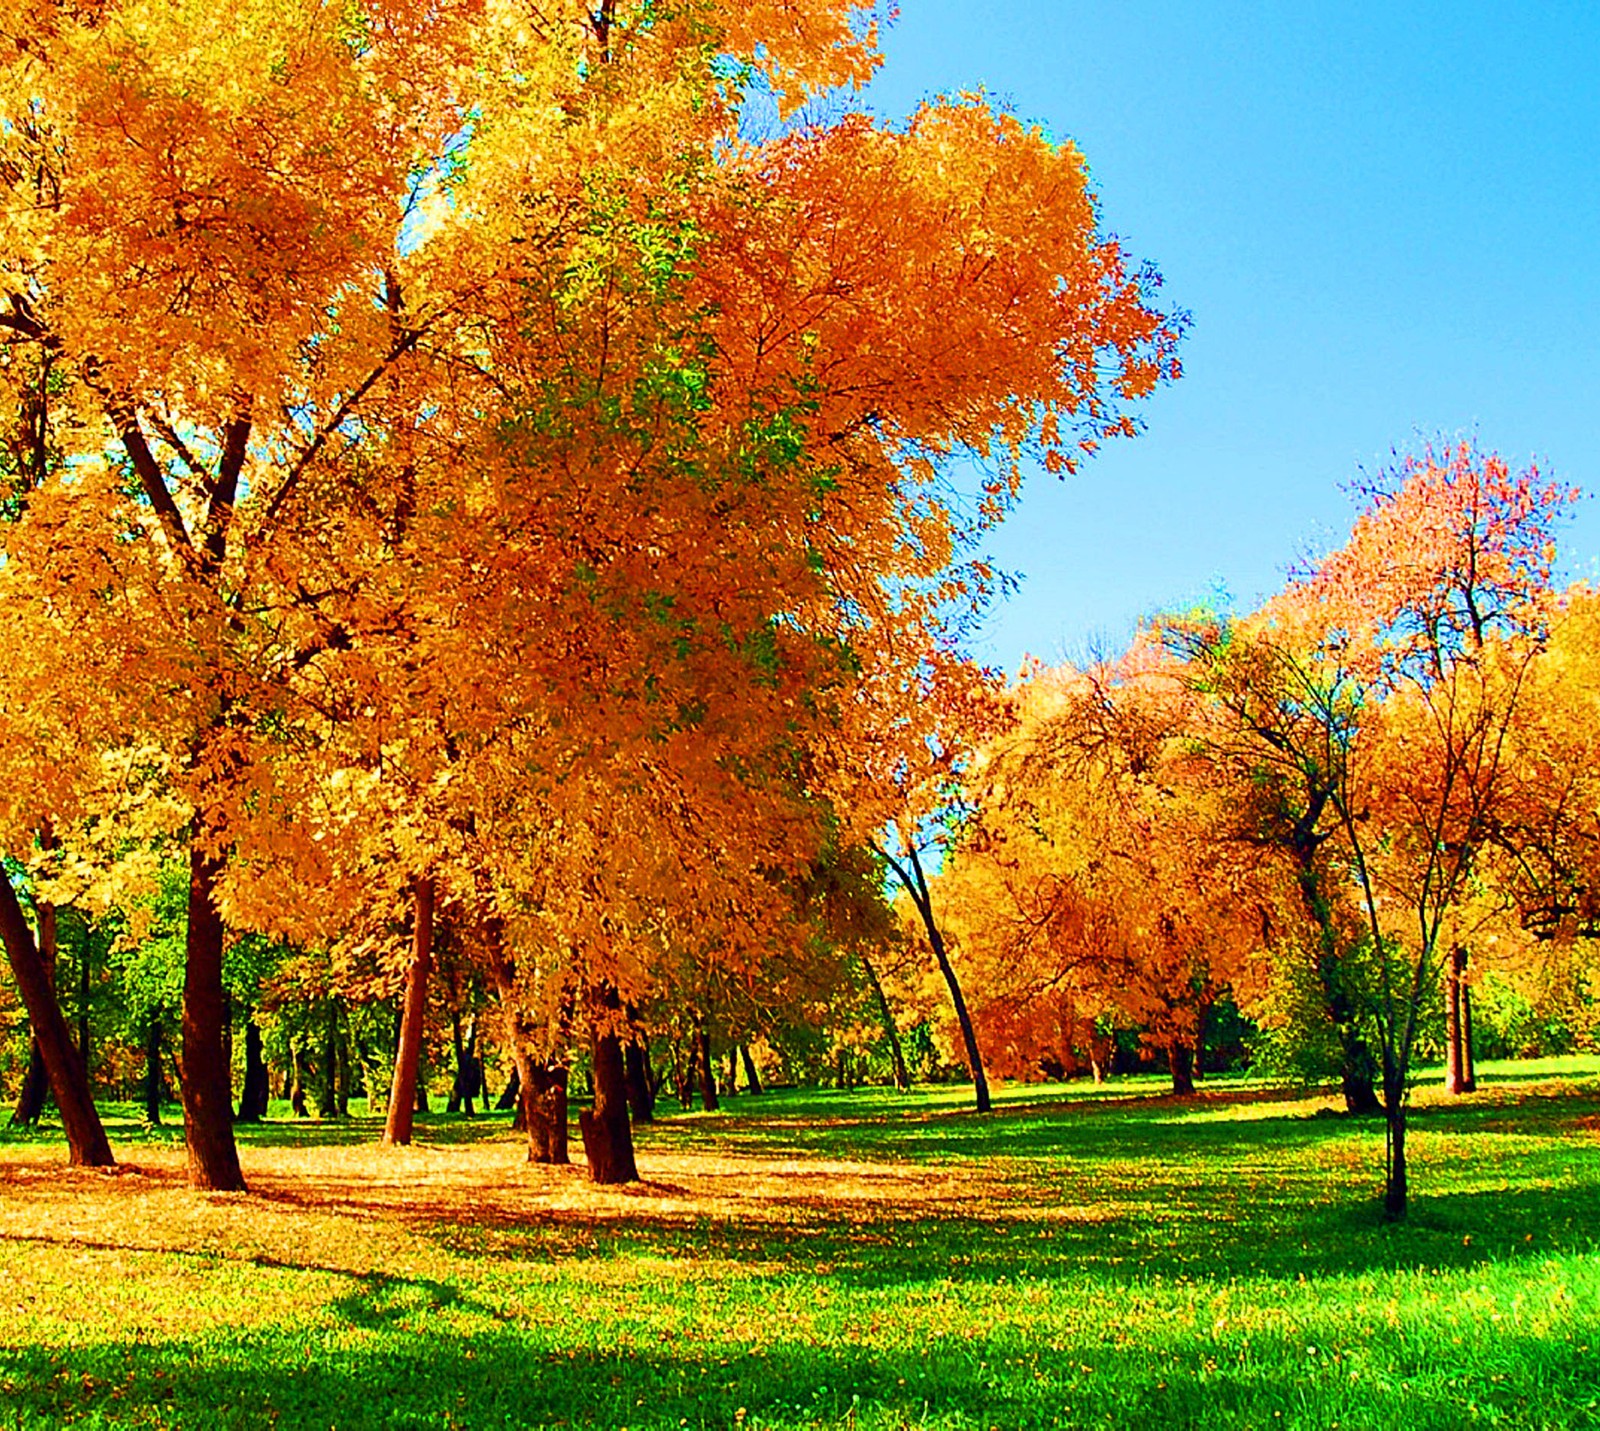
751 1077
915 883
636 1068
207 1081
255 1093
607 1133
1180 1058
897 1058
406 1091
86 1137
708 1072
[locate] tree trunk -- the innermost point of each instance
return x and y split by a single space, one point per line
341 1045
897 1058
253 1097
297 1086
328 1089
733 1070
636 1068
707 1071
751 1077
86 1137
152 1069
607 1133
1457 1019
1395 1189
464 1087
545 1109
1180 1057
35 1088
509 1100
406 1088
206 1083
1358 1076
916 885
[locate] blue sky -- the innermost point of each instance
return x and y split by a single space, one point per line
1384 219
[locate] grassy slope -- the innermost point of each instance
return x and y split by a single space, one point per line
830 1260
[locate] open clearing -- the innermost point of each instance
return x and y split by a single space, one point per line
1081 1258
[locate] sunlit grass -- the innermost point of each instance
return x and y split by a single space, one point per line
1084 1257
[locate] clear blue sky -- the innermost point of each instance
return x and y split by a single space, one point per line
1384 219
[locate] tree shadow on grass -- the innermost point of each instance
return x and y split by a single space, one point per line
400 1372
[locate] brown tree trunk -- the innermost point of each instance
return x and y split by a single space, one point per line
206 1083
733 1070
1469 1067
405 1088
707 1071
1458 1074
546 1113
636 1068
751 1077
897 1058
607 1133
255 1093
1180 1057
86 1137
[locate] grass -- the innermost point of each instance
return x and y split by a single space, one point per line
1081 1258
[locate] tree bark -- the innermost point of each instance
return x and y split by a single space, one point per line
1395 1190
732 1085
255 1093
1180 1057
607 1133
36 1081
641 1097
897 1058
509 1100
545 1108
464 1087
1458 1077
206 1083
87 1145
751 1077
708 1072
152 1069
404 1091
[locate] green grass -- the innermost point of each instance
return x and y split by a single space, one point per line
1081 1258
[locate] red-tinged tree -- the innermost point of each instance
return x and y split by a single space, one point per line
1418 638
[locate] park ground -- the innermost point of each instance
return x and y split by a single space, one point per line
1081 1258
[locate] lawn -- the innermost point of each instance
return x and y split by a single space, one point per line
1082 1257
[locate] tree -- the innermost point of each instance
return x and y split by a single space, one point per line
503 386
1420 634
